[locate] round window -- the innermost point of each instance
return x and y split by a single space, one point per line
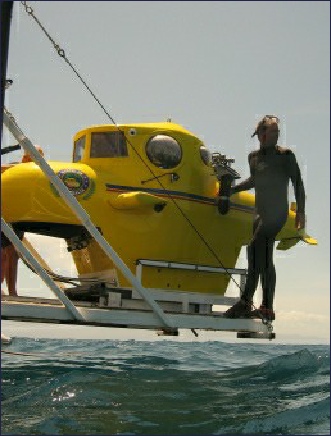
205 155
164 151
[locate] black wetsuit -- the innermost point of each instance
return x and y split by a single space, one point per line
271 170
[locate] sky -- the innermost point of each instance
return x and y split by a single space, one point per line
214 67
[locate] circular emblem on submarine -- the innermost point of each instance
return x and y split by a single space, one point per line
75 180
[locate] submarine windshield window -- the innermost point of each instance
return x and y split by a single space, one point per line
108 144
164 151
205 155
79 149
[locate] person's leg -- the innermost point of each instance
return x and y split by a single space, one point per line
4 266
268 274
11 276
256 257
268 277
4 263
254 250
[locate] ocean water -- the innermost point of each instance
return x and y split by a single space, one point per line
114 387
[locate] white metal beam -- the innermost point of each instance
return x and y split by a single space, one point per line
130 318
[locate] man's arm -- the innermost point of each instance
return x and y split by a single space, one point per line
299 191
243 186
248 183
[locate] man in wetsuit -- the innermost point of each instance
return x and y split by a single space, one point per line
271 169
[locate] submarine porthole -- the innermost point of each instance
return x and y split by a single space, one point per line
205 155
164 151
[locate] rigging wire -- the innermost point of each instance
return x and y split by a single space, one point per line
62 54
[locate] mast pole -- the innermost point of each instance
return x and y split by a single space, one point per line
6 8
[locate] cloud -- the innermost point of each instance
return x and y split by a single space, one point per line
303 324
318 106
300 316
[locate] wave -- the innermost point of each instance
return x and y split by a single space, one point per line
164 388
290 420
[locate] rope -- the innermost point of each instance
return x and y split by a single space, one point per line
62 54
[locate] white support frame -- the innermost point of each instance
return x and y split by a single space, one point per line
191 297
43 310
186 266
189 266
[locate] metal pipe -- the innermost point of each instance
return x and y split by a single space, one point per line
6 9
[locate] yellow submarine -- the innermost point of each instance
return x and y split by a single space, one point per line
152 190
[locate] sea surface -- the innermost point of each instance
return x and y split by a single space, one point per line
130 387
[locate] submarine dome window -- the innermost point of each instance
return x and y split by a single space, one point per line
205 155
79 148
164 151
108 144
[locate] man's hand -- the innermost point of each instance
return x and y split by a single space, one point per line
300 220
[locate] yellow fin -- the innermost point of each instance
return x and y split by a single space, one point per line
306 238
137 201
287 243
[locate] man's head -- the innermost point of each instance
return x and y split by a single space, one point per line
267 131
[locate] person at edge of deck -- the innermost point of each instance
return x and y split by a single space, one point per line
271 169
9 255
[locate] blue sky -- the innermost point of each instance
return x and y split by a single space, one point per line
214 67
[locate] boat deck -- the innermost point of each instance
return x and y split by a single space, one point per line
123 307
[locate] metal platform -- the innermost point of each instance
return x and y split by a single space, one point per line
127 313
108 305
